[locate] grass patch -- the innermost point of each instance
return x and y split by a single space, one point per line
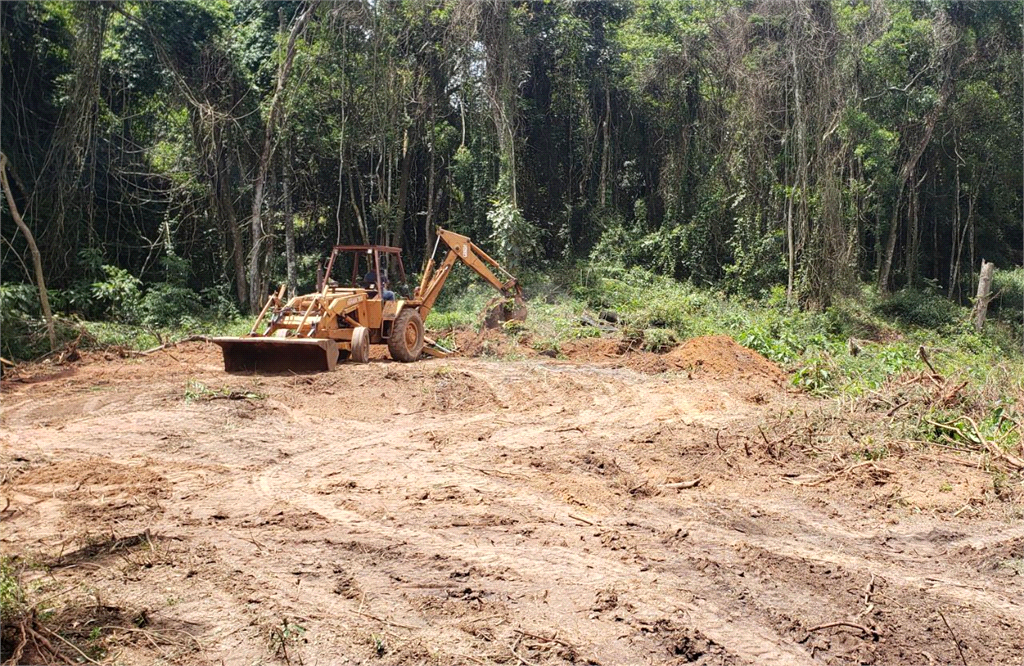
196 391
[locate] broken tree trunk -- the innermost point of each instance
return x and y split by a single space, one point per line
982 299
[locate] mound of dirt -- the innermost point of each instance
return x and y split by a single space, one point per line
721 356
716 356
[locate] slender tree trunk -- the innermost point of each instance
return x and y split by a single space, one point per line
341 175
237 249
913 236
403 189
37 261
957 242
289 224
428 221
602 197
360 220
790 240
269 144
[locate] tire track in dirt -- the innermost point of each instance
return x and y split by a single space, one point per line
748 642
444 507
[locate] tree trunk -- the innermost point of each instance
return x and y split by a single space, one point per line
360 220
982 299
289 225
237 245
403 189
256 217
37 261
341 175
913 235
606 149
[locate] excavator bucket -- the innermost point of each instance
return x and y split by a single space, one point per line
502 309
261 354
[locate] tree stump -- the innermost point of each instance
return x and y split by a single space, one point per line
982 299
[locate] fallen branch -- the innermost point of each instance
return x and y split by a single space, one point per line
995 451
552 639
174 343
935 377
70 644
897 408
976 437
817 481
516 654
956 641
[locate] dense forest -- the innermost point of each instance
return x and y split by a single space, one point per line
202 151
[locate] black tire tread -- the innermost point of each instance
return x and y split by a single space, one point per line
396 343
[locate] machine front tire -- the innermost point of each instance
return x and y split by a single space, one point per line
360 345
406 341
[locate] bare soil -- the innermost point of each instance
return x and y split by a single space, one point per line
607 509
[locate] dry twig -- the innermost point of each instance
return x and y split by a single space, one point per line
956 640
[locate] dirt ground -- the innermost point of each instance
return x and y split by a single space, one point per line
606 509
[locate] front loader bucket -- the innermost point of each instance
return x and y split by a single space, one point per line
278 354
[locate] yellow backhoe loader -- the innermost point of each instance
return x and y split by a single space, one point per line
311 333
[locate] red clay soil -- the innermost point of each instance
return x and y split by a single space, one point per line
473 511
720 356
716 356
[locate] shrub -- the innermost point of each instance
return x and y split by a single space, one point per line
23 329
659 339
1008 301
922 308
168 304
120 293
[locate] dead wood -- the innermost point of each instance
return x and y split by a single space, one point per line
174 343
956 641
552 639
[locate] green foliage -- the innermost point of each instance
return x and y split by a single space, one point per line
17 301
759 260
23 330
12 596
120 294
659 339
515 238
923 308
1008 299
166 304
197 391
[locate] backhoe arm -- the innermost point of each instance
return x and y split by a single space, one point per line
460 249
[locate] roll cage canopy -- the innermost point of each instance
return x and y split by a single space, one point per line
373 253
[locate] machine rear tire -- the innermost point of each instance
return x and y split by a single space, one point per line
406 341
360 345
